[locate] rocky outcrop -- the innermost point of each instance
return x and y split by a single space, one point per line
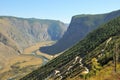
79 27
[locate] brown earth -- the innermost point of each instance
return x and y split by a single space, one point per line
18 66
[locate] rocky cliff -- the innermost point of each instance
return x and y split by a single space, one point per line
79 27
26 31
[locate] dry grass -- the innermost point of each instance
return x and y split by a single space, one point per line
6 53
107 73
36 48
10 60
8 56
26 61
21 61
19 66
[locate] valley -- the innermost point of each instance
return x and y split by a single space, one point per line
20 40
20 65
79 27
60 40
96 57
43 49
35 49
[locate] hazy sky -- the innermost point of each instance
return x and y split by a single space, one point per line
61 10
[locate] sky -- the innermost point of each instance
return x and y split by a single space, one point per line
62 10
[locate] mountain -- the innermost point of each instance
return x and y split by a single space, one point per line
26 31
17 34
79 27
8 48
98 48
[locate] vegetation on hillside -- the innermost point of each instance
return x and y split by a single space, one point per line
16 34
79 27
88 49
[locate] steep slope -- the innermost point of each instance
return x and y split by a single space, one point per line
8 47
79 27
6 52
17 34
102 39
28 31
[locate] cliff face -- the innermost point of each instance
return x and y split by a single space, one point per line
16 34
25 32
99 47
79 27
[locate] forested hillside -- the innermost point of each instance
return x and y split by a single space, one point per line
93 52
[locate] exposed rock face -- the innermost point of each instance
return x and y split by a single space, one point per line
79 27
84 56
19 33
25 32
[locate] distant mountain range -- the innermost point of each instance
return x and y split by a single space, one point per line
25 32
18 33
97 49
79 27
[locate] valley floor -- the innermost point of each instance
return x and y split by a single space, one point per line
20 65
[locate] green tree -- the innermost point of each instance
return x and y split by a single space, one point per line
95 66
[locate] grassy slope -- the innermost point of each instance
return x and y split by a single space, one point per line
107 73
83 49
79 27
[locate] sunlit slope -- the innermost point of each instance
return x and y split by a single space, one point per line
79 27
86 49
